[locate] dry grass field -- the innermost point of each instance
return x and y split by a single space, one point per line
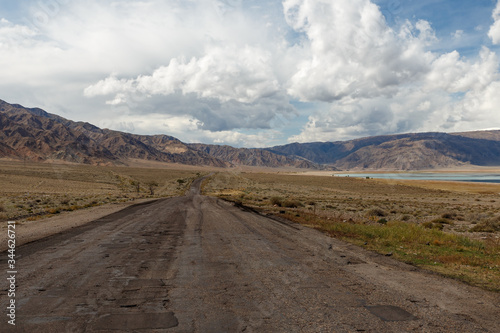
29 191
452 230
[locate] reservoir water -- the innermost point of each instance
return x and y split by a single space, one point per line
460 177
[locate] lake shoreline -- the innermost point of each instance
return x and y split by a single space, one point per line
470 177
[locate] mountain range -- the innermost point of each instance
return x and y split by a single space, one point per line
32 133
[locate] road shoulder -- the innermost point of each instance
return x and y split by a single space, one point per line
29 231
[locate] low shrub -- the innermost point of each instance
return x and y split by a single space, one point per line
276 201
376 212
54 211
449 215
491 225
291 204
431 225
442 220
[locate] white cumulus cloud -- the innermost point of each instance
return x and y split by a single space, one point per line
224 73
352 51
228 87
241 72
494 32
367 79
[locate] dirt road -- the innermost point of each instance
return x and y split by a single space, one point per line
198 264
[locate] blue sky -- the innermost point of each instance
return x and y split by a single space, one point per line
446 17
256 73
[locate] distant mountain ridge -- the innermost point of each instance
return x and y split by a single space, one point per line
403 151
37 135
254 157
40 136
34 134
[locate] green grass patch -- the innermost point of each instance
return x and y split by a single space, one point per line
472 261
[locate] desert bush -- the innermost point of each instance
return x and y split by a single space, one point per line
431 225
475 218
2 208
491 225
54 211
449 215
376 212
276 201
382 221
136 185
291 204
442 220
438 226
151 186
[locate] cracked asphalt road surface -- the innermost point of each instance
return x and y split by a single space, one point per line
199 264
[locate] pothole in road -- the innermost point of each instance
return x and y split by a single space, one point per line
390 313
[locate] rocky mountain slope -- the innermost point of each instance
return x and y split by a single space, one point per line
485 135
403 152
254 157
40 136
37 135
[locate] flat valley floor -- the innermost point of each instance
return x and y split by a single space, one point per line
194 263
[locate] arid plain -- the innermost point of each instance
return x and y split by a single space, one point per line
448 227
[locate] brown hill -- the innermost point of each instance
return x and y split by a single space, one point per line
403 151
39 136
254 157
6 151
400 154
485 135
